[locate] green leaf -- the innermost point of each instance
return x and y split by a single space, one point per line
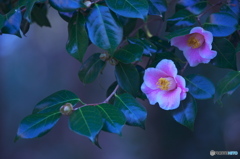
199 86
91 68
2 21
232 7
129 53
29 6
66 5
128 78
179 32
37 125
24 26
183 18
148 46
218 26
162 45
86 121
238 48
226 54
198 8
53 102
164 55
134 112
77 37
39 15
129 8
227 85
186 113
103 29
12 23
114 119
157 7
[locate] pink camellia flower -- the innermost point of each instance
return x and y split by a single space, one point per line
163 85
196 46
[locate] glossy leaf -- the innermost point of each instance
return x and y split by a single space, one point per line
37 125
179 32
197 8
53 102
148 46
129 53
103 28
186 113
39 15
128 78
217 24
157 7
77 37
199 86
25 25
29 6
129 8
2 21
12 23
134 112
67 16
226 54
183 18
162 45
227 85
165 55
113 118
66 5
86 121
238 48
91 68
232 7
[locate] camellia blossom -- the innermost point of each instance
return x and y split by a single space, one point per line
162 85
196 46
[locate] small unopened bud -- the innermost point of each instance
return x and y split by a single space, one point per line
66 109
113 62
87 4
104 56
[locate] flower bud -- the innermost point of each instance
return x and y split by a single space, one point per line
87 3
113 62
104 56
66 109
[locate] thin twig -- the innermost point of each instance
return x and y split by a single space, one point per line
183 69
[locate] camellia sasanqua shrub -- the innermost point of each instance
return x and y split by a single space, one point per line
150 43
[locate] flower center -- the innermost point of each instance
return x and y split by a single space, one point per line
195 40
166 84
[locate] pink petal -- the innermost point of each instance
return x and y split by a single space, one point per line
151 94
182 84
169 99
168 67
197 30
180 42
151 77
193 57
208 38
207 35
206 52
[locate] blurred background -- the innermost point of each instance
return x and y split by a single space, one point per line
38 65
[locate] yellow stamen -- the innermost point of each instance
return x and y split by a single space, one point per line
166 84
195 40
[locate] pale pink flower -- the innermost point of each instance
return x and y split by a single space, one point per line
162 85
196 46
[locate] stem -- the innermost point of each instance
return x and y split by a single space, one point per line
135 31
207 10
183 69
105 101
110 96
